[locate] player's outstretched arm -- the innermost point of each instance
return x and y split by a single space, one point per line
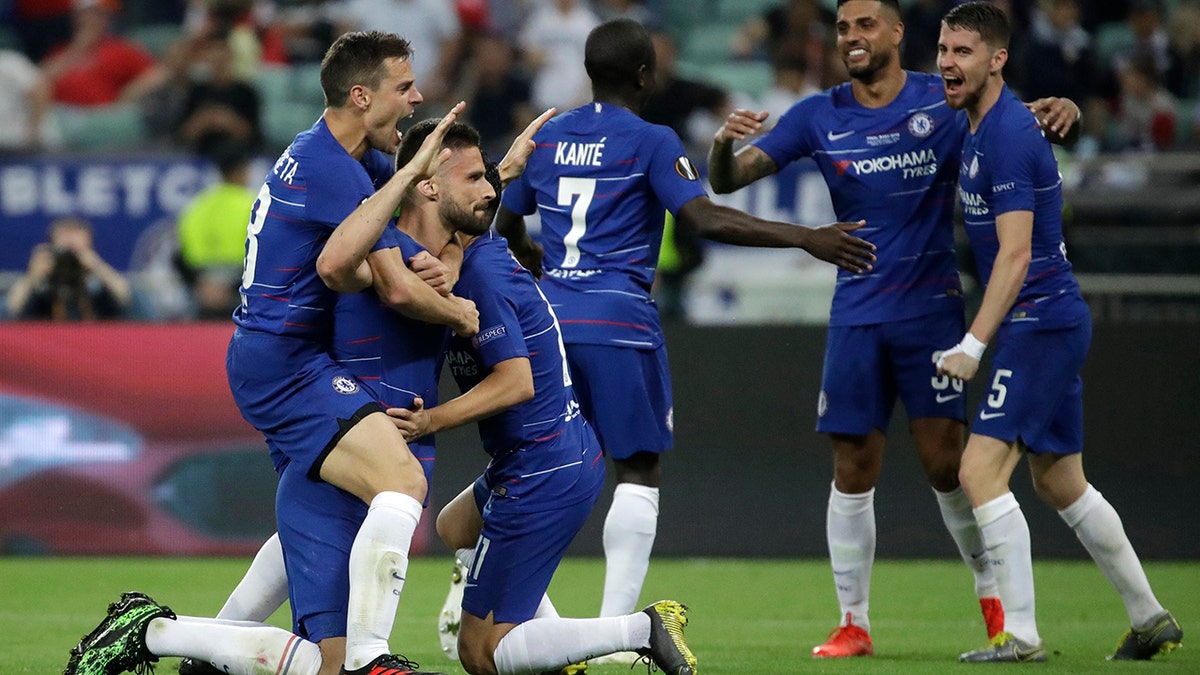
528 252
342 260
1059 119
728 171
513 164
402 290
510 383
831 243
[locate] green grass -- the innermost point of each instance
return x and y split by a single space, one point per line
749 617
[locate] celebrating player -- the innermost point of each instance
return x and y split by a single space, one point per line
1011 195
888 148
602 179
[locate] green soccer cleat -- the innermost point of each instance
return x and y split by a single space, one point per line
1162 635
450 618
118 644
668 649
1004 648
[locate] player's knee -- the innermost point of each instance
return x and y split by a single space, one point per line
476 657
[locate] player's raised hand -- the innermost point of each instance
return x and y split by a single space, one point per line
739 124
412 422
513 164
433 272
1055 115
834 244
467 323
429 157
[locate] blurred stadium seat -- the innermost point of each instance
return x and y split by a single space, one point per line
113 127
709 42
155 37
739 10
748 77
291 101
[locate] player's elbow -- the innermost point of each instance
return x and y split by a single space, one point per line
331 272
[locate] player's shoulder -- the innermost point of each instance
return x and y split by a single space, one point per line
1013 121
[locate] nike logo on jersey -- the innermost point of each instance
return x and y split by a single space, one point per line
942 398
837 137
988 415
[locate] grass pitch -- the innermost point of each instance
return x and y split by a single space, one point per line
748 617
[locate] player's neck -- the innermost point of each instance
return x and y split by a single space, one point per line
420 222
987 100
348 131
882 89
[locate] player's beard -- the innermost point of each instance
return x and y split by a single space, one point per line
870 72
466 220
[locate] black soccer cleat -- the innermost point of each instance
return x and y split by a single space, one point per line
388 664
118 644
668 649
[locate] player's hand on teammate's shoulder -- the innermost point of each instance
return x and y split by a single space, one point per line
513 164
1055 115
531 258
467 323
739 124
834 244
412 422
433 271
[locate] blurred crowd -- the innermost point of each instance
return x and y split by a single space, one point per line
231 79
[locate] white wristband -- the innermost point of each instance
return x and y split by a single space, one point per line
972 347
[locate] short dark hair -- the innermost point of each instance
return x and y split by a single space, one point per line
984 18
358 58
615 51
893 4
460 135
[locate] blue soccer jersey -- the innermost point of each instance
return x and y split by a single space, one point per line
896 168
313 186
603 179
395 357
531 443
1008 165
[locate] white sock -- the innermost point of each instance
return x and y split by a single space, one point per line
262 590
850 530
1098 526
960 521
539 645
1007 535
378 565
629 531
236 647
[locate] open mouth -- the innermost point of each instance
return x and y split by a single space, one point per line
953 83
856 54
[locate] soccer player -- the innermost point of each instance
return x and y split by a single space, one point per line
1011 195
546 469
601 178
308 237
888 148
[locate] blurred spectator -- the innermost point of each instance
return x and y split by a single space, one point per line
218 106
790 82
693 109
431 28
922 25
552 42
235 22
1183 38
67 280
212 235
41 25
1058 59
96 67
1147 35
607 10
22 105
299 31
1146 119
498 95
794 29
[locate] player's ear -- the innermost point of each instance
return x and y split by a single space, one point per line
428 188
999 59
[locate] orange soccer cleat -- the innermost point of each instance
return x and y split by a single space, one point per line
843 641
993 615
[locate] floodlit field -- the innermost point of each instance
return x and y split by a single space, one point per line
748 617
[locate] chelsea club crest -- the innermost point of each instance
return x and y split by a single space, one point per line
920 125
344 385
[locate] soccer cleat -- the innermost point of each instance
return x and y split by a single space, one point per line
1162 635
191 666
450 620
118 644
993 616
844 641
668 649
1004 648
388 664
